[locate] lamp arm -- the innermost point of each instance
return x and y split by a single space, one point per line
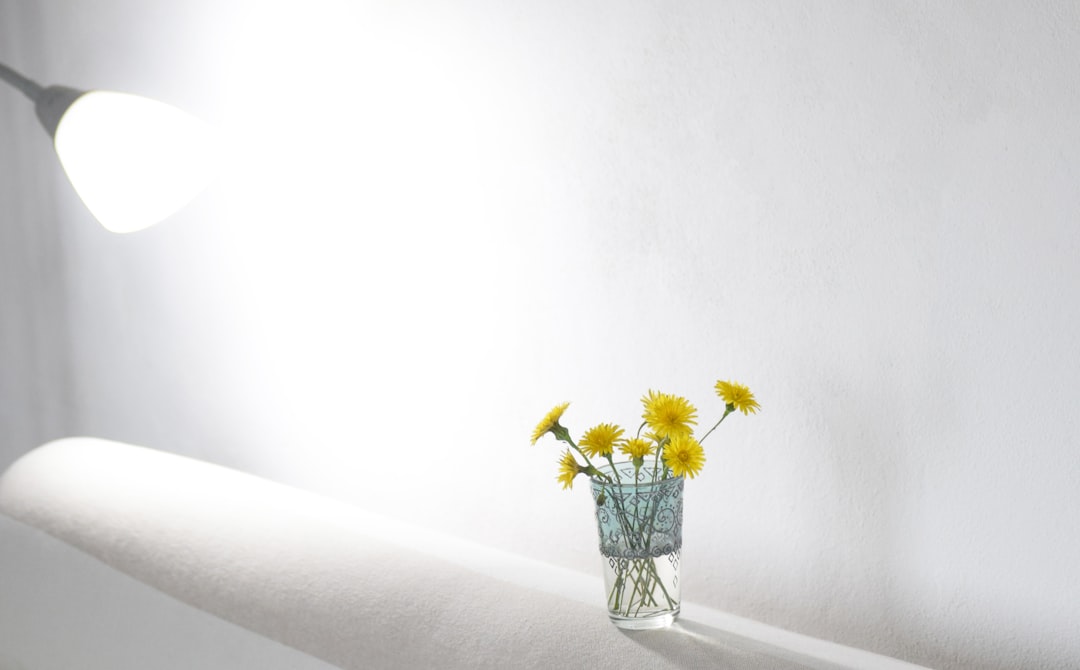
28 87
50 103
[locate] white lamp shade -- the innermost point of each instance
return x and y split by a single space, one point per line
133 161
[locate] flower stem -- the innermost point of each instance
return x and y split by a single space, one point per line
611 462
564 436
727 410
656 462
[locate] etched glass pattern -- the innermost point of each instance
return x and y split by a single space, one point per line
639 520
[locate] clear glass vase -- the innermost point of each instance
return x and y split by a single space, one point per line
639 519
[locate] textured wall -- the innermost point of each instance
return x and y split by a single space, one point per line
446 217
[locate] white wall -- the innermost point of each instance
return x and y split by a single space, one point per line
452 216
34 367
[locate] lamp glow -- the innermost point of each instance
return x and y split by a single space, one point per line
133 161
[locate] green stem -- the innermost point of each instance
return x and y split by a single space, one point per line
611 462
727 410
564 435
656 462
637 582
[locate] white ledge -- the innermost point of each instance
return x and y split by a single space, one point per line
353 588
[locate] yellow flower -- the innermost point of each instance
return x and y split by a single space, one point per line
737 397
549 422
668 415
568 469
684 456
600 440
636 447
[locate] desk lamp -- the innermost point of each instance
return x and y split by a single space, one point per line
133 161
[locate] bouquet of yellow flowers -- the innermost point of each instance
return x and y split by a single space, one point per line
639 501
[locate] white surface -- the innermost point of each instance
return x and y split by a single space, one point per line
466 211
65 610
341 584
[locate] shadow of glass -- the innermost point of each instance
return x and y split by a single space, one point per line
688 644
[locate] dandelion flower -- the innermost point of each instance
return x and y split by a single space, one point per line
737 397
600 440
636 447
549 422
684 456
568 469
668 415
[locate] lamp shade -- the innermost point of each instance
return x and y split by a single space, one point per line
133 161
